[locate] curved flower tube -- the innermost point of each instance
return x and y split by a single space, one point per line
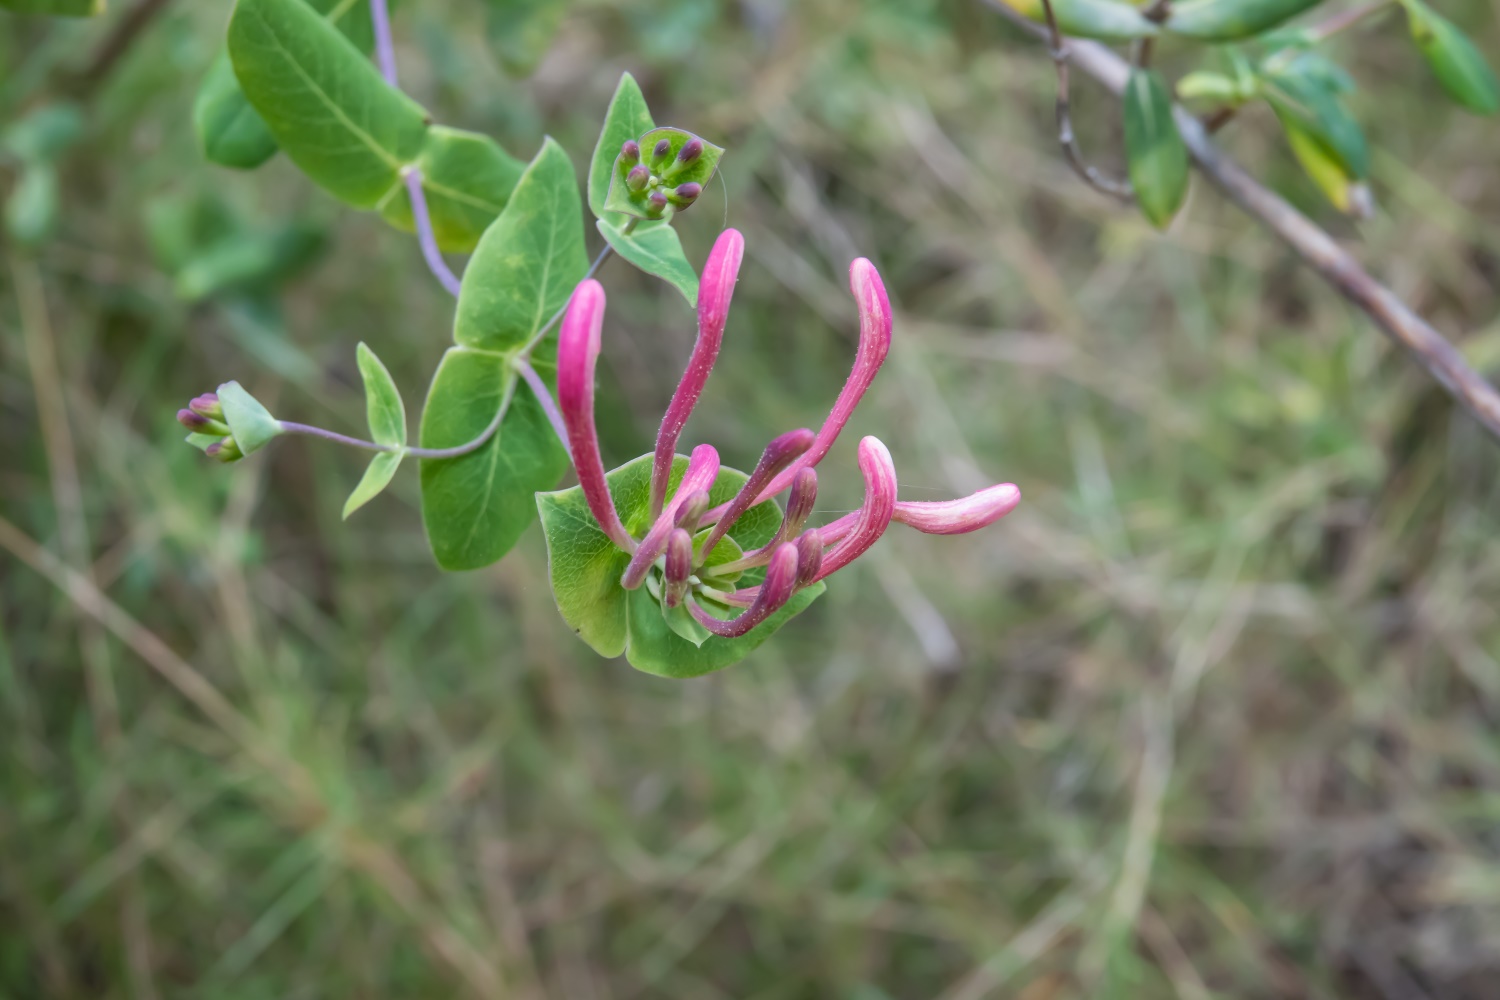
779 585
945 517
678 567
577 350
702 470
780 453
875 516
715 290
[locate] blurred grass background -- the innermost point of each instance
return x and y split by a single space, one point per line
1213 714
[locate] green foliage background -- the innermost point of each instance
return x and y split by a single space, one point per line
1213 714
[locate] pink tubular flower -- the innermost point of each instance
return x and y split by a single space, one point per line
715 290
875 516
780 453
702 470
796 557
772 595
577 350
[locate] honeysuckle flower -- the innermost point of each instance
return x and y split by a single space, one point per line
676 565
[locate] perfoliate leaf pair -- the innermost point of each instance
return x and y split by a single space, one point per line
329 109
1454 60
476 506
1157 158
585 567
624 218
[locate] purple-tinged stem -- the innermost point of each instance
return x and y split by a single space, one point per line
431 454
772 595
714 294
702 470
385 49
577 351
780 453
875 516
425 236
543 398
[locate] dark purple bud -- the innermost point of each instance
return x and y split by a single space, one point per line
631 151
658 200
661 151
690 151
207 405
679 565
638 178
192 421
686 194
691 511
809 556
770 596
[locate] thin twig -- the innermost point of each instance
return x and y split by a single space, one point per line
457 451
1316 248
1065 136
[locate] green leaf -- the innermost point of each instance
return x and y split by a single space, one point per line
476 506
627 118
55 8
387 414
31 210
202 441
324 102
249 421
249 260
654 248
1454 60
44 133
467 179
1306 88
1230 20
378 475
1323 167
667 173
585 568
1158 160
1109 20
230 131
528 262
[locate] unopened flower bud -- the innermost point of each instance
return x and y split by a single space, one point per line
226 450
809 556
661 151
686 194
800 502
658 200
207 405
192 421
638 177
692 510
690 151
631 151
679 566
